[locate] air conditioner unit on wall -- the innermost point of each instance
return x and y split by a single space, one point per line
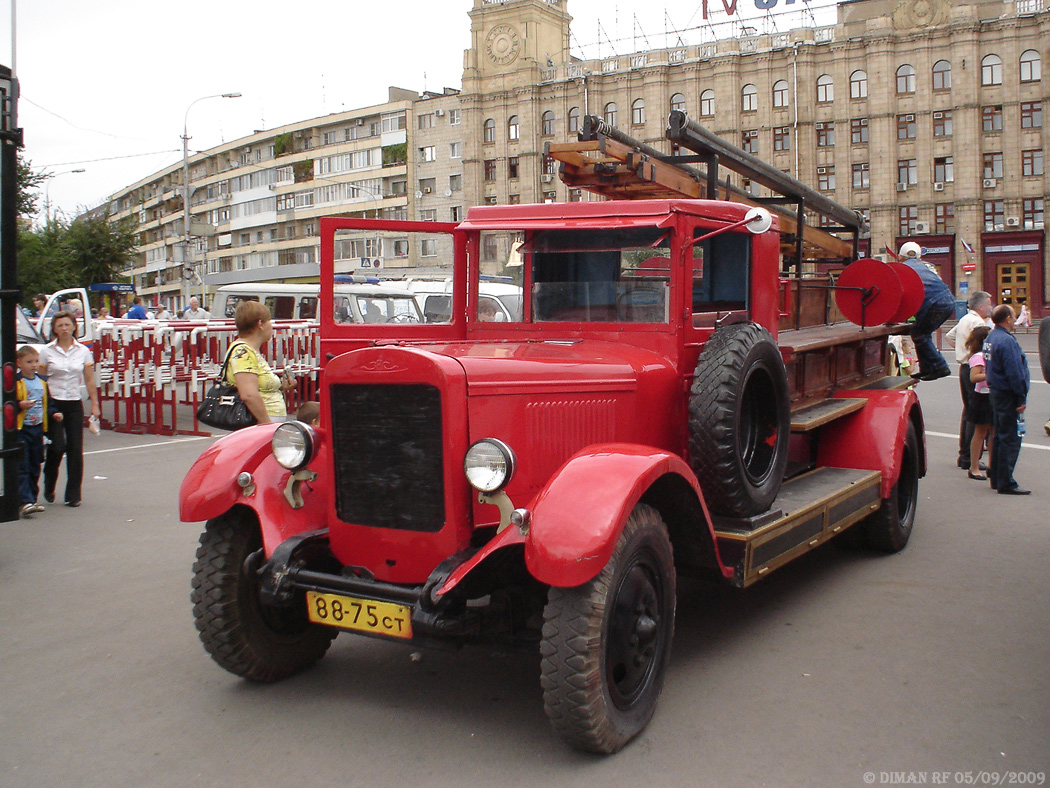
440 113
1013 221
938 186
546 177
922 228
902 187
988 183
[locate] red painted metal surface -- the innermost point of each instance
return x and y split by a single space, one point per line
210 486
912 291
868 292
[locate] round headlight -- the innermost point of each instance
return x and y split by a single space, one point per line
489 465
293 445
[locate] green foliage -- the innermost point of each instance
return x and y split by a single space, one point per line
28 184
282 144
303 170
81 252
394 155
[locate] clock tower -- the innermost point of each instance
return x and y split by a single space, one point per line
510 36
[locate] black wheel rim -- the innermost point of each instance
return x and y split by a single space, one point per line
758 427
636 636
907 486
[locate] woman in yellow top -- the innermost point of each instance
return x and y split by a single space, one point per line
260 389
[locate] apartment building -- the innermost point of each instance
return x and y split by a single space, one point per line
926 115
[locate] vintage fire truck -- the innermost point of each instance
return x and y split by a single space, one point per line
672 400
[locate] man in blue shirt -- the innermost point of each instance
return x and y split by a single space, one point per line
938 304
1008 383
137 311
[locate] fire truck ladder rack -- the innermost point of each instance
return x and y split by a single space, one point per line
608 162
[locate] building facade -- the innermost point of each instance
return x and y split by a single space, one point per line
926 115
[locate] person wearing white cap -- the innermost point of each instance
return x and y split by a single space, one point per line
938 304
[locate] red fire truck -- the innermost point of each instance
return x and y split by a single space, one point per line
672 400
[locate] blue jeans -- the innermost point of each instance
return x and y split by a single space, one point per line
32 438
929 318
1006 443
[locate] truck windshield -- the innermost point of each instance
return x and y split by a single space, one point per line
600 275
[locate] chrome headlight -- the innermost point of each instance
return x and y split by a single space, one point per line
294 445
489 465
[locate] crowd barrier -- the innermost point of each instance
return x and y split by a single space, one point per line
152 375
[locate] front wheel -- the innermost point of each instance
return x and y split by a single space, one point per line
889 528
246 637
606 643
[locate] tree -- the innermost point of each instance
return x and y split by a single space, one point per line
98 249
28 183
41 268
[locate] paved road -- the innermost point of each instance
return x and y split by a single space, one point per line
838 665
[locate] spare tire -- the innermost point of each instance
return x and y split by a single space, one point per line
1044 347
739 420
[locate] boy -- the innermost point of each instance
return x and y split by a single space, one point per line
309 413
33 415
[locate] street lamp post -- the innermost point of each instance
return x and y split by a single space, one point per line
186 255
47 192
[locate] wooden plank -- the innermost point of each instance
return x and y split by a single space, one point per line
817 415
890 383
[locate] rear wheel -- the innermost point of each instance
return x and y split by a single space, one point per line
246 637
889 528
606 643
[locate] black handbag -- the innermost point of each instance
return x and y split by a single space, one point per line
223 407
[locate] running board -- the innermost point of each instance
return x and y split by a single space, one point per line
820 413
809 510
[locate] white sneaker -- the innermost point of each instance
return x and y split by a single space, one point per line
27 509
35 507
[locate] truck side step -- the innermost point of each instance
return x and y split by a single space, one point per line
820 413
890 383
809 510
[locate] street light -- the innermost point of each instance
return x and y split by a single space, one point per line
47 192
186 257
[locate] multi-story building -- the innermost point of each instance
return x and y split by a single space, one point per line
926 115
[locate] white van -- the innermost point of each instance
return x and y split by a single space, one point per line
434 297
75 301
354 303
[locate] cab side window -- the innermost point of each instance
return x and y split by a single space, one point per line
720 276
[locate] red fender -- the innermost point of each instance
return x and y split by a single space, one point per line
578 516
210 487
873 437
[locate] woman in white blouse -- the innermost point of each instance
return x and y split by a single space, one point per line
68 365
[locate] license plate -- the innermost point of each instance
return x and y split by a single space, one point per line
362 615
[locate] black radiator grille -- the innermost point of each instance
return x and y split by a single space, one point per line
388 456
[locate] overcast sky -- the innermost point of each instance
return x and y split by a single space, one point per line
106 84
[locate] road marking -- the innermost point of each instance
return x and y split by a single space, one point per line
150 445
955 436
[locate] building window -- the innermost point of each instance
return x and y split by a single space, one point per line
825 134
428 215
944 217
575 195
513 129
749 98
858 131
490 199
574 120
1031 66
455 183
861 176
428 153
907 216
428 247
942 75
455 213
638 112
548 165
489 131
944 169
907 172
906 127
677 103
905 79
992 118
1031 114
455 150
1032 210
547 123
826 178
512 167
707 103
1032 162
426 120
991 70
427 185
611 113
453 117
994 215
490 169
993 165
513 199
825 89
549 196
780 93
858 85
942 123
782 138
489 247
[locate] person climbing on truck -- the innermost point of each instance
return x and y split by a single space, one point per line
938 304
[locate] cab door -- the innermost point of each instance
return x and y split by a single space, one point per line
75 301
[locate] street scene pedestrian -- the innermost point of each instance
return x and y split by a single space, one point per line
195 312
137 311
257 385
938 304
34 411
980 307
68 365
1008 382
309 413
978 413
